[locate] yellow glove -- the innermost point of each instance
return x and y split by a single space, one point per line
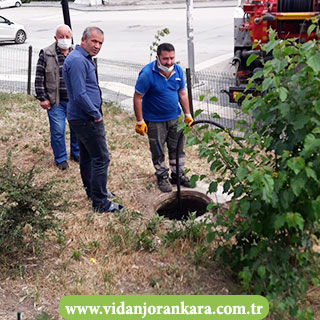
188 119
141 128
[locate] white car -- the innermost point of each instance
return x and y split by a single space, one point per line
11 31
10 3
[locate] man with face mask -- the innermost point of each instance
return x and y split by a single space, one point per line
51 91
159 93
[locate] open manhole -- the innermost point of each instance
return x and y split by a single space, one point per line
191 201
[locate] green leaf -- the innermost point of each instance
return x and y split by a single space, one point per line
295 220
314 62
215 115
284 109
245 275
301 122
267 189
279 222
253 252
242 172
269 46
213 187
244 206
210 236
316 105
202 96
297 184
311 174
311 144
296 164
194 178
257 75
316 207
192 140
310 29
252 58
283 93
226 186
262 271
267 83
199 111
238 190
213 99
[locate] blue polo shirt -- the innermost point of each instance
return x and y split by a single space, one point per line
160 100
79 73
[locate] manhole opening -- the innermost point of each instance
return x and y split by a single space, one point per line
189 203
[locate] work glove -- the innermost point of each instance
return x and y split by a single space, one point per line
141 127
188 119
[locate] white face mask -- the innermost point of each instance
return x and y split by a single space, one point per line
164 68
64 43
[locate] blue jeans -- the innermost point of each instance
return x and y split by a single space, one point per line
57 119
94 160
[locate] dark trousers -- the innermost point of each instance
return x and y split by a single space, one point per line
94 160
161 134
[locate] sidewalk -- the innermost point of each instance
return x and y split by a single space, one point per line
129 5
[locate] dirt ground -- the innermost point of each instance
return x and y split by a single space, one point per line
124 261
36 283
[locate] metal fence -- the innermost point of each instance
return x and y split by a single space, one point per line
117 80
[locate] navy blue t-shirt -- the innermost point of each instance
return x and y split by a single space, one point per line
160 100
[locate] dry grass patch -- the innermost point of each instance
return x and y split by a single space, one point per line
127 253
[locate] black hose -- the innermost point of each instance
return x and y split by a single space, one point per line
295 5
177 156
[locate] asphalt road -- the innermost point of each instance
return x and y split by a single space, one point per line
130 32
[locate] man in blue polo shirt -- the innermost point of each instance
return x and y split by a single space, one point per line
159 93
85 118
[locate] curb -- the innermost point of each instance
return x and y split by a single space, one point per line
135 7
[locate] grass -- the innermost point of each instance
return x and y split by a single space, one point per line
133 252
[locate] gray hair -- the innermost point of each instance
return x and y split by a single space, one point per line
87 32
64 26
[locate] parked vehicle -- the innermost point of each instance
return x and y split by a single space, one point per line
253 18
10 3
11 31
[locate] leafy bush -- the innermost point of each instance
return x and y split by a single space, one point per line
27 209
267 233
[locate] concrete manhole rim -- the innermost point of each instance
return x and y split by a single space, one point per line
166 197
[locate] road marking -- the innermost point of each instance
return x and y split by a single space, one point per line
15 77
214 61
118 87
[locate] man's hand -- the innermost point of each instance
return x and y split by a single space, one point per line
141 127
45 104
188 119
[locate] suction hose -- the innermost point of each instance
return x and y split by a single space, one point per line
177 156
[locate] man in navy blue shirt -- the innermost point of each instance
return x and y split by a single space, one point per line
85 117
159 93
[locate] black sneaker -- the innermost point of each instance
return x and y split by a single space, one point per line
164 184
110 207
62 165
75 158
184 180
